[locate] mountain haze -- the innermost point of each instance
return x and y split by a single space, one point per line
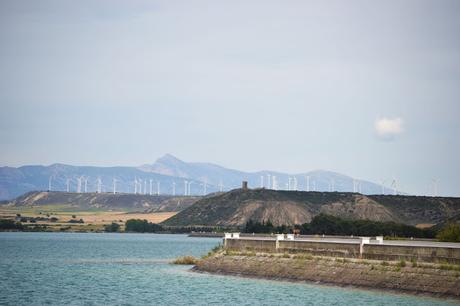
172 174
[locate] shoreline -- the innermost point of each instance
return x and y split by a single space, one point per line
332 285
421 280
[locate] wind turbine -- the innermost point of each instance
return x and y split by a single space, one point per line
68 185
86 184
393 185
150 190
189 184
295 183
221 186
268 180
135 185
307 183
274 183
289 183
99 185
174 188
78 184
49 183
185 187
114 185
261 181
158 187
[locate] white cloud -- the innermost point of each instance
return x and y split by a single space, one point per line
388 129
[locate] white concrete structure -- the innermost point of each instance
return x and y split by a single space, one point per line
290 236
379 239
279 236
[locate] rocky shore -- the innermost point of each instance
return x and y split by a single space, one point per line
407 277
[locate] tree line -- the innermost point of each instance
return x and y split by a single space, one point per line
331 225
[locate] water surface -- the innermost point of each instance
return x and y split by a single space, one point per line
133 269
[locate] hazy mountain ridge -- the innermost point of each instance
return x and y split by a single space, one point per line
236 207
167 171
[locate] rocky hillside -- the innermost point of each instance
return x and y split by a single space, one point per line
137 202
236 207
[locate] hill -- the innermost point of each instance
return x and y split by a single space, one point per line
106 201
236 207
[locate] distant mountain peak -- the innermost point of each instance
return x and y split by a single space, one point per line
168 158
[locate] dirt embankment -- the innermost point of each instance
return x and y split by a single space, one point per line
427 279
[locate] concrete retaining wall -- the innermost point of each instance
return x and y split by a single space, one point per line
427 254
267 246
348 250
320 248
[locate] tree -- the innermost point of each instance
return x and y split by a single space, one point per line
112 228
450 233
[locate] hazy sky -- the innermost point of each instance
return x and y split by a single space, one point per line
366 88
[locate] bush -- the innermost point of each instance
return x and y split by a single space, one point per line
450 233
6 224
185 260
142 226
112 228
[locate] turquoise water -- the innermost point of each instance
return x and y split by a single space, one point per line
132 269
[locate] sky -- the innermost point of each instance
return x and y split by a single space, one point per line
370 89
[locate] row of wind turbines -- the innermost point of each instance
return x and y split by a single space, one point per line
269 181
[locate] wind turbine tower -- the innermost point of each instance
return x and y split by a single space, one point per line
49 183
158 187
261 181
78 184
174 188
68 185
135 186
393 185
268 180
274 183
114 185
189 189
150 190
307 178
86 184
185 187
221 186
99 185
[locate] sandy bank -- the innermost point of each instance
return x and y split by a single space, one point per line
407 277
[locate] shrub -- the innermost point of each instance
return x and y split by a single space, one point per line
450 233
141 226
401 263
112 228
185 260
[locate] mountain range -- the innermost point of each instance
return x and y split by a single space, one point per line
168 175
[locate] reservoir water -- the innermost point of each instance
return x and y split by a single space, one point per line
133 269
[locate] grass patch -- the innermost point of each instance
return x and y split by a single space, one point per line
385 263
304 257
449 267
185 260
401 264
